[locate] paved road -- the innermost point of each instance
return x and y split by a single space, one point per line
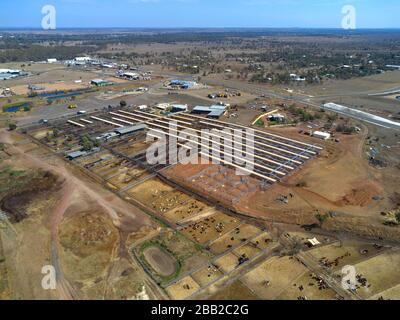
58 110
90 104
387 92
362 116
352 113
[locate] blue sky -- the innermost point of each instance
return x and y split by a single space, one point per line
200 13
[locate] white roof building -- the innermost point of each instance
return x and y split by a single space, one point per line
11 71
107 65
321 135
314 242
83 59
276 116
163 106
131 75
180 107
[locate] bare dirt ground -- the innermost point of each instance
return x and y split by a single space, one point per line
371 84
210 180
52 78
104 222
235 291
232 100
183 288
185 252
160 261
340 183
381 273
340 180
306 287
273 276
210 228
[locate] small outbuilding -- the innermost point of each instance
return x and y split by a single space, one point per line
75 155
321 135
163 106
313 242
130 130
100 82
131 75
276 117
216 113
179 107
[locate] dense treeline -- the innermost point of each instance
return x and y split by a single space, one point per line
140 36
39 53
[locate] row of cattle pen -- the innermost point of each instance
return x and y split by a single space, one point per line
272 156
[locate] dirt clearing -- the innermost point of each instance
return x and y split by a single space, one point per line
163 263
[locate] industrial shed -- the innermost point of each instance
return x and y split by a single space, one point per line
100 82
216 113
76 155
129 130
201 110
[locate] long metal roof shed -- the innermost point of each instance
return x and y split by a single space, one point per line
216 113
131 129
201 109
76 154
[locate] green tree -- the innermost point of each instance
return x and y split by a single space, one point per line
86 143
321 218
55 133
397 215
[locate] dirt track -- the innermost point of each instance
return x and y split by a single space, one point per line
77 190
162 263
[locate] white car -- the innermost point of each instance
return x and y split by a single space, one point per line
82 112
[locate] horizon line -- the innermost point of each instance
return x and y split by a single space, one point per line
202 28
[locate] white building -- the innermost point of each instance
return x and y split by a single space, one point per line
163 106
276 117
107 66
131 75
83 59
10 71
321 135
51 60
393 66
313 242
179 107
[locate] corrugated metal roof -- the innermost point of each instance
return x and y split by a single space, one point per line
202 108
218 107
216 113
130 129
76 154
180 106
